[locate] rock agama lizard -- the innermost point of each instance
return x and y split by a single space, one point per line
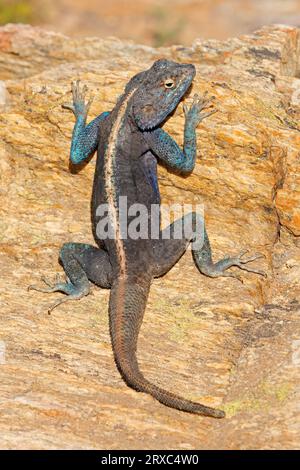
129 141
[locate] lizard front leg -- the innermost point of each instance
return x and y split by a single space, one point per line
82 263
168 150
85 138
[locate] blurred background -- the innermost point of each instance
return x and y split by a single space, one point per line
153 22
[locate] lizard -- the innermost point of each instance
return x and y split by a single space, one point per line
130 141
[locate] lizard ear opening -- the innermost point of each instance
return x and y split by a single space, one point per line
146 116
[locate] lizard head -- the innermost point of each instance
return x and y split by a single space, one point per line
158 91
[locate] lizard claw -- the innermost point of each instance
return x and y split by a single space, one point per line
209 113
78 94
240 262
79 106
193 113
88 105
72 292
59 302
68 106
235 276
52 287
220 268
203 102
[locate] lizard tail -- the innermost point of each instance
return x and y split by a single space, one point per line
126 310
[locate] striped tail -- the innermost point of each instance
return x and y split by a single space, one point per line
126 310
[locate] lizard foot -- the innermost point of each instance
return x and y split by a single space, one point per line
58 286
219 269
79 106
72 292
240 262
193 113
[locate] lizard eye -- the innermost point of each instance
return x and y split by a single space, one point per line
169 83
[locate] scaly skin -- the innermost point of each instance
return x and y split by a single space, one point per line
129 142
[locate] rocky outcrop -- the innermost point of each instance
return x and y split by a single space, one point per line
220 341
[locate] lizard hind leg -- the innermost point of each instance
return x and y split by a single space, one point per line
169 248
82 263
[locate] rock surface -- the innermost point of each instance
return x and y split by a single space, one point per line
220 341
